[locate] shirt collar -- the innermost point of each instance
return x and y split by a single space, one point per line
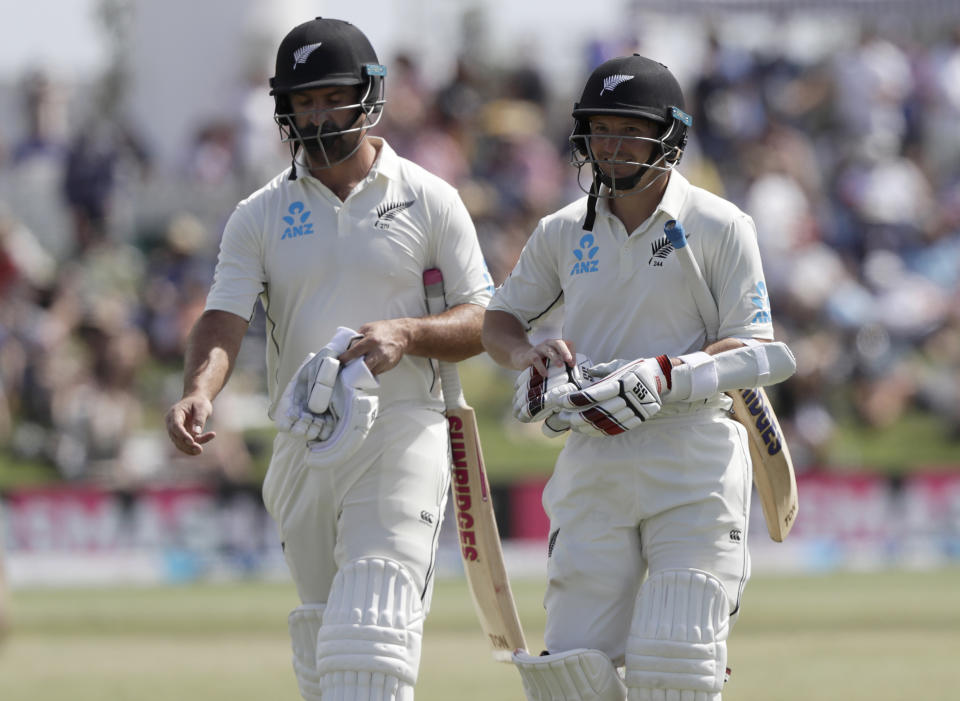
675 195
387 162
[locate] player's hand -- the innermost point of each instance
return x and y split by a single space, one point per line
537 396
553 351
381 344
620 401
185 421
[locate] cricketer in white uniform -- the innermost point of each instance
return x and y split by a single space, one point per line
648 522
341 239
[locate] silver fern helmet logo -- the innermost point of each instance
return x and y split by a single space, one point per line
303 53
612 81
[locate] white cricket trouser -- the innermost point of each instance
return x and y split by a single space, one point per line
671 494
386 502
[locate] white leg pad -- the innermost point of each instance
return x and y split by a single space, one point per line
677 649
368 648
574 675
304 622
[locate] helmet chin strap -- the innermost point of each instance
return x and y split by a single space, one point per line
616 184
626 183
592 202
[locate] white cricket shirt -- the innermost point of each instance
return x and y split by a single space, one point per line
625 296
316 262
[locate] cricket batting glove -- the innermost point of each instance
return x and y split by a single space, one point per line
619 401
354 404
302 409
555 425
536 397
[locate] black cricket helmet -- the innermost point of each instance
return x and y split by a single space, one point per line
637 87
324 53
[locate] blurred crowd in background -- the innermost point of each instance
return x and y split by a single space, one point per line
848 162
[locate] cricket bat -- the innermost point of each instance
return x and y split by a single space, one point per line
773 472
479 538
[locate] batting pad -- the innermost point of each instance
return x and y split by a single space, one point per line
676 649
369 646
304 622
574 675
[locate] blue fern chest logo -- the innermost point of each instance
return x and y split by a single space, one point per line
297 221
761 302
586 255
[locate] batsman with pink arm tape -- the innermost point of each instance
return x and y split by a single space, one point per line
334 248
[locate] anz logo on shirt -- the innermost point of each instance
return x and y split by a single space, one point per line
761 302
586 255
487 278
296 221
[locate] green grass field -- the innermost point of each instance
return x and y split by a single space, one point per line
846 637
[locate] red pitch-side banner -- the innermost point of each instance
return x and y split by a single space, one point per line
836 507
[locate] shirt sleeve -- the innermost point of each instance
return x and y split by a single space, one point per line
466 278
239 277
736 278
533 287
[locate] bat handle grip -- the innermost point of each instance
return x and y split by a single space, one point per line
450 383
436 303
675 233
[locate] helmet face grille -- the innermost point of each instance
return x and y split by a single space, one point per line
319 133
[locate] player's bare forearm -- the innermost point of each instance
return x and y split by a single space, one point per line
505 339
451 337
211 352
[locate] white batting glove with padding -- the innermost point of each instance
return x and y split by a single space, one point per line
555 425
620 401
536 397
302 409
354 405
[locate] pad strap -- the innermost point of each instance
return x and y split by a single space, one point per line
761 359
703 380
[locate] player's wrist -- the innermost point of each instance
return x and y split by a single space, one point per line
521 357
196 395
407 334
